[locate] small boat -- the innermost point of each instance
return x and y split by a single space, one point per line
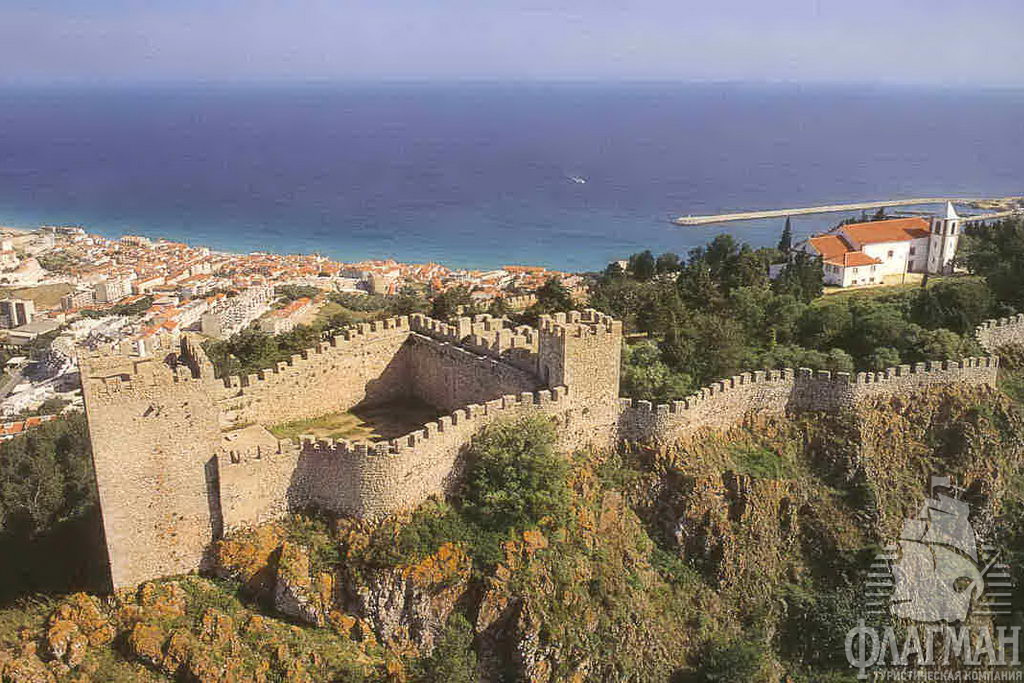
578 179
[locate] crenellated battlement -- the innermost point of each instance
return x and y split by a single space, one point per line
579 324
776 392
472 417
994 334
200 451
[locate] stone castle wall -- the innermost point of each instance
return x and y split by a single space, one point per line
449 376
729 402
994 334
154 434
362 364
374 480
374 363
180 456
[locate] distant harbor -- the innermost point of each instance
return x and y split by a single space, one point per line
1010 205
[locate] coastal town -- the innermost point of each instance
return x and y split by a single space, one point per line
65 287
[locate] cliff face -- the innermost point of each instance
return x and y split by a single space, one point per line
738 555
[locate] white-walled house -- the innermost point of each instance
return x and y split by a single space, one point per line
865 253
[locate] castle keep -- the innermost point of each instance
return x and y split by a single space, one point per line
181 457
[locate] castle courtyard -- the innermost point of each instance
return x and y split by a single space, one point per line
379 422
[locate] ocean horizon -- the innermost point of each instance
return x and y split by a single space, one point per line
570 176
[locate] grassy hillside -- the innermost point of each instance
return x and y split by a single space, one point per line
736 556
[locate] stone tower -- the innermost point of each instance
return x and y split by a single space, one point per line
581 350
154 428
943 241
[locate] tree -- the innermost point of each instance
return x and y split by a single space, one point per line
883 357
802 278
958 305
46 476
515 478
448 303
698 285
407 302
667 263
614 271
996 252
826 325
552 297
646 377
786 239
50 531
643 266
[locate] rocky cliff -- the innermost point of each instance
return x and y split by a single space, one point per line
728 556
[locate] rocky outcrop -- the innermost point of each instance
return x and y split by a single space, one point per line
408 606
405 607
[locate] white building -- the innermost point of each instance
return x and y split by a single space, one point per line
231 314
109 291
865 253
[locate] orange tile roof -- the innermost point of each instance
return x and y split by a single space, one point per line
835 251
854 258
829 246
895 230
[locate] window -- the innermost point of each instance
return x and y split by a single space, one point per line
913 250
890 253
856 270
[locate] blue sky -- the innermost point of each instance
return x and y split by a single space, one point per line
954 42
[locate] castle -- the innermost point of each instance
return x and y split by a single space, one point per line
182 457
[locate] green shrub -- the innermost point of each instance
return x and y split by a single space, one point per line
453 659
731 661
515 478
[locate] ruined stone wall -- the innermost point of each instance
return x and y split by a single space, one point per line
373 480
449 377
993 334
486 336
153 432
256 478
729 402
362 364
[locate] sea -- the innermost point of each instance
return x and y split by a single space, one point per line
565 175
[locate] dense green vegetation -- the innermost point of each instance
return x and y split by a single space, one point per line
716 313
131 309
251 349
49 531
289 293
514 481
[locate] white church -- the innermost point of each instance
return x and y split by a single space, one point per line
865 253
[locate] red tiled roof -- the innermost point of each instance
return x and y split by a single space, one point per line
829 246
835 251
895 230
854 258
